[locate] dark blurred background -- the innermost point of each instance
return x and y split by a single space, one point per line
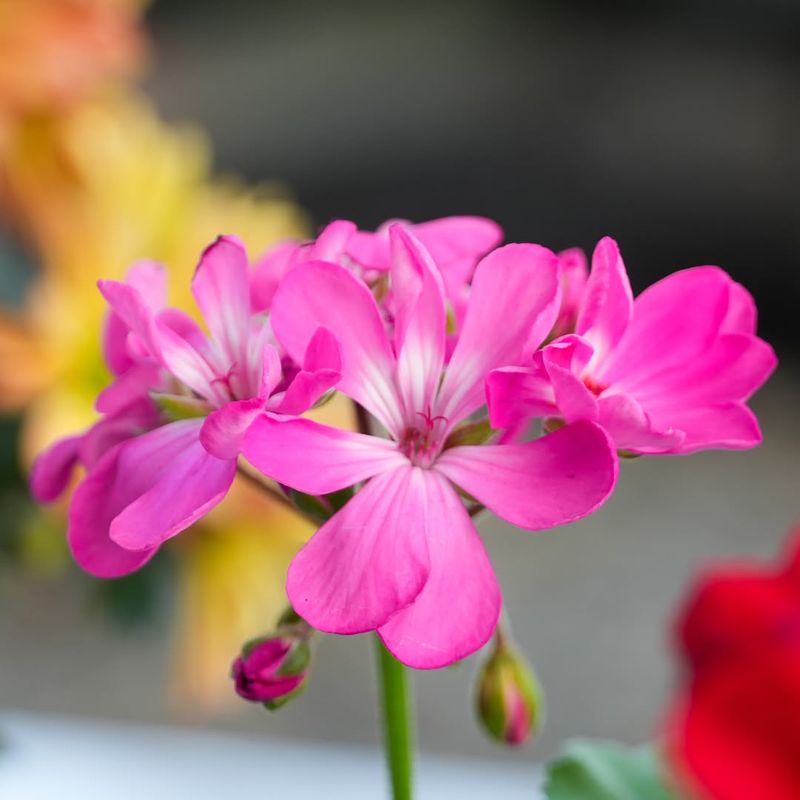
672 126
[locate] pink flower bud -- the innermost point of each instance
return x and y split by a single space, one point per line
274 669
509 698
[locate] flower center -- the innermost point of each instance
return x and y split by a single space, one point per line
595 387
422 442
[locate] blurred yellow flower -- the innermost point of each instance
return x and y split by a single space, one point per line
93 190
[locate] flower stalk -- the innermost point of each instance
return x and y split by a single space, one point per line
397 722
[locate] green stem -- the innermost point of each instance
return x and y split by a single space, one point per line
397 724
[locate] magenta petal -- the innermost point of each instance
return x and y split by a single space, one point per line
321 294
515 290
624 420
149 280
607 300
367 561
742 314
564 361
316 459
322 370
113 429
457 243
419 322
131 307
221 287
728 426
556 479
515 394
189 364
224 430
133 384
674 321
97 500
164 481
332 241
269 271
52 470
732 368
458 608
305 389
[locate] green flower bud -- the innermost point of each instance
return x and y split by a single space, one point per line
509 700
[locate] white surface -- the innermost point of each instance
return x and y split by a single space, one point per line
61 758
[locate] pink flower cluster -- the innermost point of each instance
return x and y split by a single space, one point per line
453 344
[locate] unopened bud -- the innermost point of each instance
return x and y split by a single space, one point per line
509 699
274 669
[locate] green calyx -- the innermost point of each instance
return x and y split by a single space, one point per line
176 407
470 433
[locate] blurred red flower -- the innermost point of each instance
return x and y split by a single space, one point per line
735 731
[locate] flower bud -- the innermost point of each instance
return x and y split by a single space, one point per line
509 698
273 669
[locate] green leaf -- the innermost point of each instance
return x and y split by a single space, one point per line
605 771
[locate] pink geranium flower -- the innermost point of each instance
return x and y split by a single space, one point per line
403 556
456 244
669 372
165 452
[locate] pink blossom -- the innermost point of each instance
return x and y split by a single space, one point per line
271 670
165 451
403 556
456 244
669 372
573 274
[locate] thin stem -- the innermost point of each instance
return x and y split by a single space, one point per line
272 493
397 723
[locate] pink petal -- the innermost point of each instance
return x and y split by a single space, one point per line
128 304
457 243
741 315
674 321
728 426
269 271
189 364
134 383
224 430
149 280
270 373
515 291
221 287
573 275
305 389
96 501
607 300
113 429
419 322
732 368
624 420
332 241
323 352
556 479
515 394
458 608
367 561
563 361
164 481
52 470
322 370
316 459
321 294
